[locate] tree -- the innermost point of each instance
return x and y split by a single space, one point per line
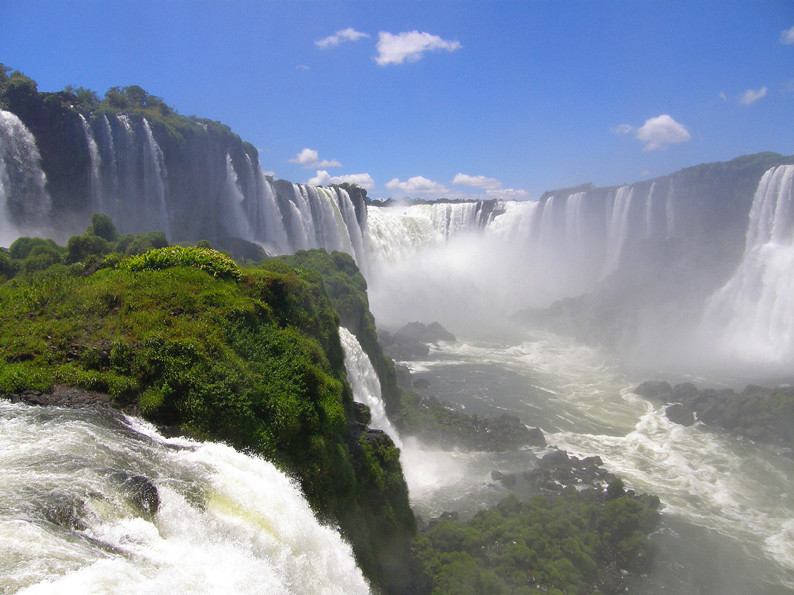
102 226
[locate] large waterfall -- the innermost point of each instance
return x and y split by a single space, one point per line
658 249
94 502
753 314
24 202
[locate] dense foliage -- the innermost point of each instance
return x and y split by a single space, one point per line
249 356
348 292
577 542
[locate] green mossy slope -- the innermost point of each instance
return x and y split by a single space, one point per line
248 356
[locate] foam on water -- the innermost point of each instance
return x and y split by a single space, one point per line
226 522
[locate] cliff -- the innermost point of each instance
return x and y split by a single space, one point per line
135 159
252 357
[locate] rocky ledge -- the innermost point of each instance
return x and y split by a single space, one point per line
758 414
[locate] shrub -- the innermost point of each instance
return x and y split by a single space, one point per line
210 261
102 226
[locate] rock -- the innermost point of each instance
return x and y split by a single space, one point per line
685 391
680 414
403 377
652 389
65 511
141 491
424 333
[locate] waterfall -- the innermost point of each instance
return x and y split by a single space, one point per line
154 180
24 201
618 229
365 384
753 313
234 221
355 234
95 502
96 164
649 212
274 231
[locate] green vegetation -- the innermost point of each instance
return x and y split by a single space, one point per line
348 292
187 338
575 543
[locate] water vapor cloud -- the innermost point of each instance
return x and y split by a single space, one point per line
340 37
409 46
323 178
657 132
787 36
751 96
310 159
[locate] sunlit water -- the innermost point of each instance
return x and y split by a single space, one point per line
226 522
728 504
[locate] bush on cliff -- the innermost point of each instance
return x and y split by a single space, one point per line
248 356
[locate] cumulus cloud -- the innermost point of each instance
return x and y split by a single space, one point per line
409 46
660 131
751 96
418 186
787 36
493 188
656 133
339 37
323 178
477 182
310 159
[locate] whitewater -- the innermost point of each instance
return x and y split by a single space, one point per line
221 521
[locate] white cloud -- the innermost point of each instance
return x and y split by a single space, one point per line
492 187
323 178
622 129
477 182
409 46
787 36
723 96
660 131
310 159
751 96
301 67
339 37
508 194
419 185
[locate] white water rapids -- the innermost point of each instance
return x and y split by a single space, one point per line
226 522
727 503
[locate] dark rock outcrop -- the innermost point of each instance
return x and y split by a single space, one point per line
758 413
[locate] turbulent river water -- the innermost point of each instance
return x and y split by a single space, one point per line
221 522
728 505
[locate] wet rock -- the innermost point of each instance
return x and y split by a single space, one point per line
680 414
141 491
66 511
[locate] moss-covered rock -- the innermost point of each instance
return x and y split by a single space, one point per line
250 356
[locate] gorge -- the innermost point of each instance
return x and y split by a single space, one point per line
561 306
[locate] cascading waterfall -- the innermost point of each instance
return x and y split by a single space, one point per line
618 229
91 501
24 201
96 164
365 384
154 179
753 313
273 230
235 220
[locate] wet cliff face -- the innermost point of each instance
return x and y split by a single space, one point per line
150 169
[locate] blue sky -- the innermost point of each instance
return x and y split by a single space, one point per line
428 98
